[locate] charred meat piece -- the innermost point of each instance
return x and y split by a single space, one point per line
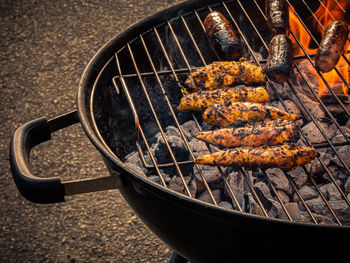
222 37
203 99
277 16
285 157
279 62
240 112
265 133
331 46
222 74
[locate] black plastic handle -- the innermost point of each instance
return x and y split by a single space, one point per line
30 134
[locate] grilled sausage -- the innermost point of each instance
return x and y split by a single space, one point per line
239 112
280 57
203 99
265 133
331 46
277 16
285 157
222 74
222 37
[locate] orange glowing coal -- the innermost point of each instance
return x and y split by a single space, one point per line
328 11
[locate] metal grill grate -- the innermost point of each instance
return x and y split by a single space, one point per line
174 61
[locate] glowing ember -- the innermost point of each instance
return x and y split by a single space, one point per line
328 11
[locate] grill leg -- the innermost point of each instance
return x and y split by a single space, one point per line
176 258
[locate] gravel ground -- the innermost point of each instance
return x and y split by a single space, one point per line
45 46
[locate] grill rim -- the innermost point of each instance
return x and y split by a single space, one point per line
96 65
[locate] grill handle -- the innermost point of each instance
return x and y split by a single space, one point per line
48 190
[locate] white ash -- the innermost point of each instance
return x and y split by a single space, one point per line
134 162
279 180
190 129
275 209
343 153
306 192
311 107
313 133
320 219
309 84
156 178
205 196
226 205
338 173
299 176
340 207
289 105
238 186
339 136
283 196
347 186
199 147
315 167
265 190
293 211
177 185
250 205
210 173
330 192
278 91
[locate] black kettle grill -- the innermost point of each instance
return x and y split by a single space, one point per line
134 81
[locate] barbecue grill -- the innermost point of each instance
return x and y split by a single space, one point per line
127 99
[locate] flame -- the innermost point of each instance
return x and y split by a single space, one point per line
327 12
324 17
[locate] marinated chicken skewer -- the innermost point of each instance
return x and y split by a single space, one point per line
235 113
202 99
222 74
285 157
265 133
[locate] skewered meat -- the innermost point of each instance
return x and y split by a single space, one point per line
331 46
265 133
222 37
277 16
222 74
202 99
285 157
280 59
238 112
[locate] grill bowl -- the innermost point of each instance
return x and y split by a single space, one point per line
199 231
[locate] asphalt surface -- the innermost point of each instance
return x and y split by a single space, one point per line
45 46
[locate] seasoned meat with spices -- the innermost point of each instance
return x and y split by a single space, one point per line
277 16
221 35
202 99
331 46
264 133
235 113
285 157
279 62
222 74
